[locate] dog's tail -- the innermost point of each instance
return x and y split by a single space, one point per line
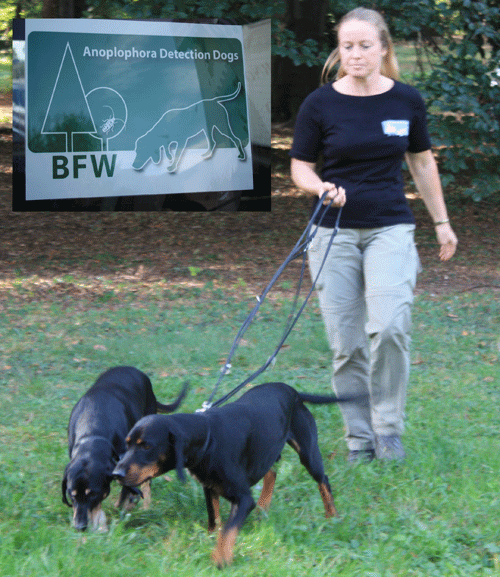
161 408
232 96
329 399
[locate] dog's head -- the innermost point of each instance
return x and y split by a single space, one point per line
154 446
145 150
84 487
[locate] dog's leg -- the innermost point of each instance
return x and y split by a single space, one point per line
229 134
212 143
266 494
237 142
223 553
326 495
127 500
240 509
304 440
97 519
173 151
215 504
124 496
318 474
146 490
212 502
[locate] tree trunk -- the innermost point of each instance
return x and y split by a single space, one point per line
50 9
292 83
63 8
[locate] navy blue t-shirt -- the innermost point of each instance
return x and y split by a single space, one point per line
361 141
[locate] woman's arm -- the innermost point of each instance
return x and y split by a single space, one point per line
305 177
424 171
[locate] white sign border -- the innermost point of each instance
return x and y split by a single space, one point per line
40 180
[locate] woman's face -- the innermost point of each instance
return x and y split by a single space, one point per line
360 49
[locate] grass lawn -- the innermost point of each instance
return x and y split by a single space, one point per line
437 514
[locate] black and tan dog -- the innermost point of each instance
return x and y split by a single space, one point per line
98 425
229 449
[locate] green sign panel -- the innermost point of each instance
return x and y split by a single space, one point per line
128 108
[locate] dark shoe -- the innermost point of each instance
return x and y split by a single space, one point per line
361 456
390 448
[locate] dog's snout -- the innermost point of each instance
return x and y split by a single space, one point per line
118 473
81 526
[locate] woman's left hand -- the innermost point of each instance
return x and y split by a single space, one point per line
447 241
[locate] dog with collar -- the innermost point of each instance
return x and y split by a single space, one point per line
229 449
97 428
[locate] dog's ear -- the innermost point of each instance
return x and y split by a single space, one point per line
64 486
178 445
109 471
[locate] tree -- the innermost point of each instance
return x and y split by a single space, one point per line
63 8
299 39
68 113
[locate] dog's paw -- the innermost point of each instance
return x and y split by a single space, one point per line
99 522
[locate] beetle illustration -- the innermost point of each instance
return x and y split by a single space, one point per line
109 123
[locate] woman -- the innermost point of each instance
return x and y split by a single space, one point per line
362 125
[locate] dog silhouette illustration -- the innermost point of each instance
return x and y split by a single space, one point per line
178 126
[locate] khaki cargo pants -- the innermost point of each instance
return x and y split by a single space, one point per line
365 292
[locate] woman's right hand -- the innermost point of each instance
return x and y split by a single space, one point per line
337 195
305 177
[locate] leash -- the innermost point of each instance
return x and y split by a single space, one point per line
300 248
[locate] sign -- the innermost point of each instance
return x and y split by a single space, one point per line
123 108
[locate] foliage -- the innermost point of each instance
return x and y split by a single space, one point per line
7 13
224 11
463 97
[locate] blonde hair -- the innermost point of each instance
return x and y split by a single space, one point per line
390 66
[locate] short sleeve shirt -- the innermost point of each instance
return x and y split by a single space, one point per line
361 141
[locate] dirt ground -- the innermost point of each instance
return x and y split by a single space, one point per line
226 249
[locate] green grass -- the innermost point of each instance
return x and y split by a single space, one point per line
5 72
435 515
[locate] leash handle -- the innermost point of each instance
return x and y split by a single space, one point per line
300 248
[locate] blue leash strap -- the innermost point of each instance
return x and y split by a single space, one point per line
300 248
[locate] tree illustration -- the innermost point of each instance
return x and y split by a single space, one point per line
68 112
